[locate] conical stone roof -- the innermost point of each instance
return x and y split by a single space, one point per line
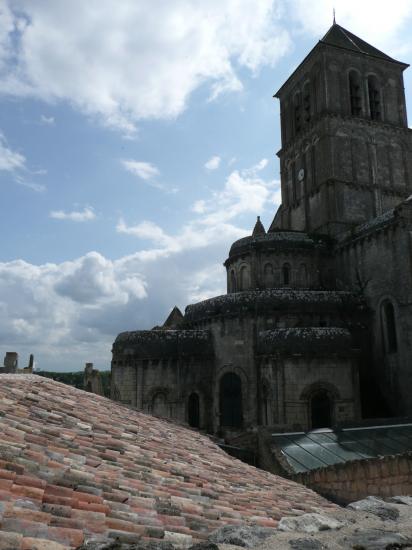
258 229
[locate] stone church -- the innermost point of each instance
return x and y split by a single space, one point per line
315 328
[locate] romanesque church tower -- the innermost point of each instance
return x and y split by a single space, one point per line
346 149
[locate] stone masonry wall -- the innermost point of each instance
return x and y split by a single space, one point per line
350 481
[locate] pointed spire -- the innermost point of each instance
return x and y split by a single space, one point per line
258 229
174 319
334 16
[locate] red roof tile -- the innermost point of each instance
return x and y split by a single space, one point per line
74 464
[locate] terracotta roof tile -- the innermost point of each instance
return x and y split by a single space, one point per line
74 464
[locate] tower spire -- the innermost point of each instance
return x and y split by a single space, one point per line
258 229
334 16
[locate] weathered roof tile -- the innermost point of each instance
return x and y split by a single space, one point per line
68 472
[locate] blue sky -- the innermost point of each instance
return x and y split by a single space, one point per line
137 142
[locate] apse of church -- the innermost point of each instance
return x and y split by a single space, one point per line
315 328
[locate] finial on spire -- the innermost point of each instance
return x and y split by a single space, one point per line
334 16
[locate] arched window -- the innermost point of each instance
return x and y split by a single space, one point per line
320 410
159 405
355 94
303 275
286 274
231 400
297 112
244 278
307 107
374 98
193 410
232 281
389 327
268 276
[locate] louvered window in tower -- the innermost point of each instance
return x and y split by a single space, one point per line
355 94
374 98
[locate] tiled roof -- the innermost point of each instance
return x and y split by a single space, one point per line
74 465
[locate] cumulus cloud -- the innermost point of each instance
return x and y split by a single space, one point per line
87 214
47 308
213 163
244 192
47 48
70 312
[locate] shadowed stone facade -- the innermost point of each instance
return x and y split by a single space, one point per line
315 328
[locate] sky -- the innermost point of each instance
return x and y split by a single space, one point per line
138 140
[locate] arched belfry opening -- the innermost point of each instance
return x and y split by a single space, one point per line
374 98
389 327
320 410
193 411
230 397
355 93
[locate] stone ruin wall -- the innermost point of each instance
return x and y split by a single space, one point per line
343 483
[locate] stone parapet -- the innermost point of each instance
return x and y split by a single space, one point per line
280 240
163 343
261 301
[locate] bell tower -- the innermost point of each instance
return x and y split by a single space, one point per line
346 154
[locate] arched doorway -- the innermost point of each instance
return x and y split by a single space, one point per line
159 405
321 410
193 411
231 400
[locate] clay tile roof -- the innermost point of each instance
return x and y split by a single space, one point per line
75 465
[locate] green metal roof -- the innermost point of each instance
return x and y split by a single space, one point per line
321 448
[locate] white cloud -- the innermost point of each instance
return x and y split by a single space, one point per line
48 120
144 170
148 173
71 312
89 53
15 164
63 312
244 192
87 214
213 163
10 160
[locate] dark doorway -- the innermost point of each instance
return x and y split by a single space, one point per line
321 410
193 411
231 400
